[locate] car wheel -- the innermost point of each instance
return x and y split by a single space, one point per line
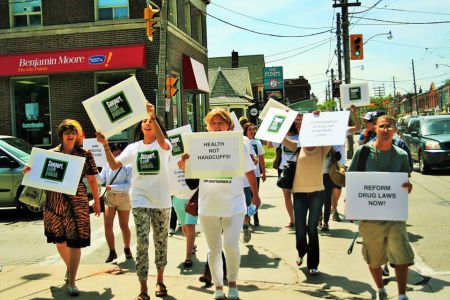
424 168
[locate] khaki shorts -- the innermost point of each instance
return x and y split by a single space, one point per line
385 241
118 200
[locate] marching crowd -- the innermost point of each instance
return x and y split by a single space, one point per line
137 178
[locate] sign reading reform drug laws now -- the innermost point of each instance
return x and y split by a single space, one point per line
376 196
117 108
214 154
54 171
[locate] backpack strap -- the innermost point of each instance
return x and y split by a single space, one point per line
363 155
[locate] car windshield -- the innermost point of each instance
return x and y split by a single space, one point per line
17 147
436 126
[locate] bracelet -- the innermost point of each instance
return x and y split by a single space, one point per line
106 147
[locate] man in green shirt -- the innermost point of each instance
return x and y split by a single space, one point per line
385 241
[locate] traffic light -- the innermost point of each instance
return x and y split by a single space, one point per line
149 16
336 89
171 89
356 47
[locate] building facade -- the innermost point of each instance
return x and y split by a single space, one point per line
56 54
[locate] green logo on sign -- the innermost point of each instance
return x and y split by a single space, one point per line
117 107
54 169
177 144
355 93
148 162
276 123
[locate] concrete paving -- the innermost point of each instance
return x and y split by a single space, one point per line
268 269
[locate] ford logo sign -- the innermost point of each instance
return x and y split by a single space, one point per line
97 59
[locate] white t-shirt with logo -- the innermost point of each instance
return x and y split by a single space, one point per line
259 150
224 197
250 150
150 179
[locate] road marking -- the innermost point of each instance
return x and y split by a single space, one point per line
97 240
423 268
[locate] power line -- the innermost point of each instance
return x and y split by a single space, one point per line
410 46
305 46
411 11
298 53
267 34
265 21
368 8
406 80
402 22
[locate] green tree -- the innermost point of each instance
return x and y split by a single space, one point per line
327 105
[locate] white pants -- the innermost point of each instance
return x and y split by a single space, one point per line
230 228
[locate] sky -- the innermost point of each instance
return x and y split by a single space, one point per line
384 59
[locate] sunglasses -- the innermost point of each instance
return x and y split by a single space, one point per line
386 126
70 132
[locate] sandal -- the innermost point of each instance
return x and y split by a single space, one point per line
194 249
290 225
187 263
162 290
143 296
299 261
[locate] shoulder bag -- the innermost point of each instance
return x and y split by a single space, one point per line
33 196
336 170
286 179
103 196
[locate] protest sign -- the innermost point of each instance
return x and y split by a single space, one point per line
117 108
376 196
356 94
214 154
271 103
176 139
97 150
54 171
275 125
326 129
237 125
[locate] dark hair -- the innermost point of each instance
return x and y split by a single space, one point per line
247 126
139 135
65 125
115 146
293 130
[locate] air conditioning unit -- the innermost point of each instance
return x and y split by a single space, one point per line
27 9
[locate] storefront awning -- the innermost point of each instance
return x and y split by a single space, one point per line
194 75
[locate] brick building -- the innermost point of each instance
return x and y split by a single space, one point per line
56 54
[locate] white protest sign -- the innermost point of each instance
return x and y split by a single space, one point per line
274 104
356 94
275 125
328 128
98 151
176 139
54 171
376 196
237 125
214 154
117 108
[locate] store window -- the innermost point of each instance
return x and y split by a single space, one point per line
32 110
112 9
103 82
190 109
173 12
176 107
187 17
26 13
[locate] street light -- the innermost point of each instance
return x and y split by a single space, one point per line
389 36
437 65
361 67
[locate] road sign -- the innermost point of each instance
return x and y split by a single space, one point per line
254 112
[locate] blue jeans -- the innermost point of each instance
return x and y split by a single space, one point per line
302 203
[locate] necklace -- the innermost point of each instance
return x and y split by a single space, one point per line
378 164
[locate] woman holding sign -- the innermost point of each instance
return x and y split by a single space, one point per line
66 217
150 196
308 190
222 209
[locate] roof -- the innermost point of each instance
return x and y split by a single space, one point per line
254 63
304 105
229 100
230 82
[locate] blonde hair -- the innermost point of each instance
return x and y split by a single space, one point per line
69 124
221 113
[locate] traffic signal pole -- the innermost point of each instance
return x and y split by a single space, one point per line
345 39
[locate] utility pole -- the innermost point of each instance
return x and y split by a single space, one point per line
395 97
331 84
415 87
344 5
339 52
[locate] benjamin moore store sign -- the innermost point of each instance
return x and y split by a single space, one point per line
95 59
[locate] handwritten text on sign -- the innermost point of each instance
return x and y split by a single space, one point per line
376 196
214 154
329 128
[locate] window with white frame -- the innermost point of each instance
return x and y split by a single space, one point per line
26 13
112 9
173 14
200 28
187 17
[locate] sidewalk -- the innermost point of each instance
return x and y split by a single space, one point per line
267 271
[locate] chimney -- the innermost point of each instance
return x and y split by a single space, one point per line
234 59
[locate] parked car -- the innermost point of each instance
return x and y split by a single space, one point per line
428 138
14 154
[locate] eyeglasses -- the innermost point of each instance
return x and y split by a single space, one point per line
70 132
386 126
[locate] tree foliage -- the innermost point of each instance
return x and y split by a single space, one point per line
327 105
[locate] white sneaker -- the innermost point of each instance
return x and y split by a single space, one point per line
233 294
382 295
171 231
219 294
